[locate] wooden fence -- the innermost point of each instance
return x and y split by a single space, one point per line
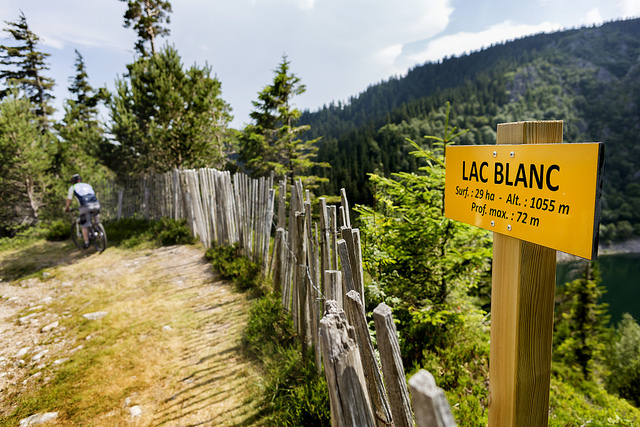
316 267
219 209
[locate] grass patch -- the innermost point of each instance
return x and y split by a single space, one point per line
293 394
32 251
140 233
32 256
588 404
244 273
113 362
24 237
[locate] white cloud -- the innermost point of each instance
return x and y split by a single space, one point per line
630 8
387 56
594 17
74 22
337 47
305 4
466 42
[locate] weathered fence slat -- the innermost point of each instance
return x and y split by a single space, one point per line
389 349
343 369
324 243
430 405
345 205
357 261
375 387
347 272
333 280
120 195
333 218
300 275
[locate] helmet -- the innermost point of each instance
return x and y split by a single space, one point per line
75 179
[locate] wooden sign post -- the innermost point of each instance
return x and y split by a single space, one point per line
522 300
536 200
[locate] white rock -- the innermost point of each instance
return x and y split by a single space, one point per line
39 355
38 419
95 315
50 326
76 349
166 328
22 352
60 361
26 318
135 411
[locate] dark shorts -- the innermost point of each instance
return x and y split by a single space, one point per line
86 212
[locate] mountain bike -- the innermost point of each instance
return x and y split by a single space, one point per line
97 234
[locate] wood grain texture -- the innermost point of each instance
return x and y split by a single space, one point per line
392 368
354 309
522 298
350 405
430 404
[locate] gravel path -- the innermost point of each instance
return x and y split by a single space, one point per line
208 379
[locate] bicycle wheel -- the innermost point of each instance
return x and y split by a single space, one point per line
99 237
76 234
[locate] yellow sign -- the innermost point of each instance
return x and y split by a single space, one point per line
547 194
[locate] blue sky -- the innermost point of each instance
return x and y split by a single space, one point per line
337 47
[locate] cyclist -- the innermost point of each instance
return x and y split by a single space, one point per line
89 204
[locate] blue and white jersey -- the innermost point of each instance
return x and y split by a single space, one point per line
83 192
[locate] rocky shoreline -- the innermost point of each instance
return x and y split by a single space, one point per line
627 247
631 246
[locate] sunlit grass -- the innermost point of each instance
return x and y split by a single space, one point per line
114 361
136 354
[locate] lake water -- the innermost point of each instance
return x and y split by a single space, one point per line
620 277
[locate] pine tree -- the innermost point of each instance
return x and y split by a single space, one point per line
274 141
81 134
146 17
421 264
165 117
23 66
581 319
24 162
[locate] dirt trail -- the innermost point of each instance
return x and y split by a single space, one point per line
185 323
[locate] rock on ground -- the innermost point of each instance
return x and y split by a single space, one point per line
38 419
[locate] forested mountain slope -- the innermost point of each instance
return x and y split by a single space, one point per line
588 77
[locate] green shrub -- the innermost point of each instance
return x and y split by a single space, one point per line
127 232
589 404
232 265
172 232
58 230
21 238
294 394
462 370
136 232
269 327
624 360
